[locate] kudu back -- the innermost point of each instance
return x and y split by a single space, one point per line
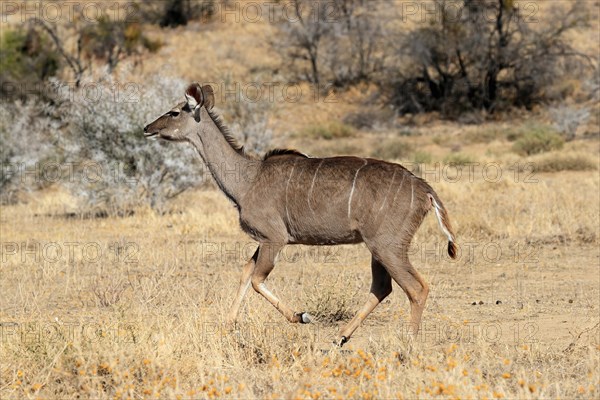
290 198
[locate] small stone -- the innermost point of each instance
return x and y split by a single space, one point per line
480 302
498 302
570 301
474 303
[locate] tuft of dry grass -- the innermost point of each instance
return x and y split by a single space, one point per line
328 131
458 159
557 162
393 149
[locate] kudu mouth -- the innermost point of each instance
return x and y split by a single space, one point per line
150 134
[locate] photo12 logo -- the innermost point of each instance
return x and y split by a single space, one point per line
455 11
68 11
44 173
87 92
58 331
69 252
273 92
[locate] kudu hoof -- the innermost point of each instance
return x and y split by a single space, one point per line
340 341
304 317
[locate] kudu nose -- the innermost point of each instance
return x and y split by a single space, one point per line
146 129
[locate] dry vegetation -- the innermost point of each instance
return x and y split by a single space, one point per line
133 307
144 318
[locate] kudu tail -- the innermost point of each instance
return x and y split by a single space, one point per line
444 221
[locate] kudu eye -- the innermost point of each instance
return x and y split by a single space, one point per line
174 113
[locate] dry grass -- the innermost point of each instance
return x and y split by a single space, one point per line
145 317
556 162
134 307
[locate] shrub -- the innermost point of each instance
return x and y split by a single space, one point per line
538 139
173 13
25 59
251 125
328 131
567 119
421 157
110 41
340 41
484 55
135 171
392 149
30 138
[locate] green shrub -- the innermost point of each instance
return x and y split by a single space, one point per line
538 139
421 157
328 131
25 57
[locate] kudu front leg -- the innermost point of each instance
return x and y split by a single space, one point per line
381 287
264 265
247 272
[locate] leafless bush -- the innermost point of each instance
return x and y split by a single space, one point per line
340 41
134 170
356 49
489 56
568 118
104 39
251 125
30 137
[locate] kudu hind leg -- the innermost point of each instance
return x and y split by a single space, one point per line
381 287
412 284
247 272
264 265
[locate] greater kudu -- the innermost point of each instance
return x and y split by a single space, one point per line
290 198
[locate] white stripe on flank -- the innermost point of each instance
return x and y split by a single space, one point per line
353 186
397 190
286 192
436 208
312 185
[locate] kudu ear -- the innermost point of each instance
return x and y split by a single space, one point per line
209 96
195 99
193 95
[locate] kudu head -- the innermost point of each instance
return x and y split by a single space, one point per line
185 118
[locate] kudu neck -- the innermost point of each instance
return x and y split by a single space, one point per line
233 171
